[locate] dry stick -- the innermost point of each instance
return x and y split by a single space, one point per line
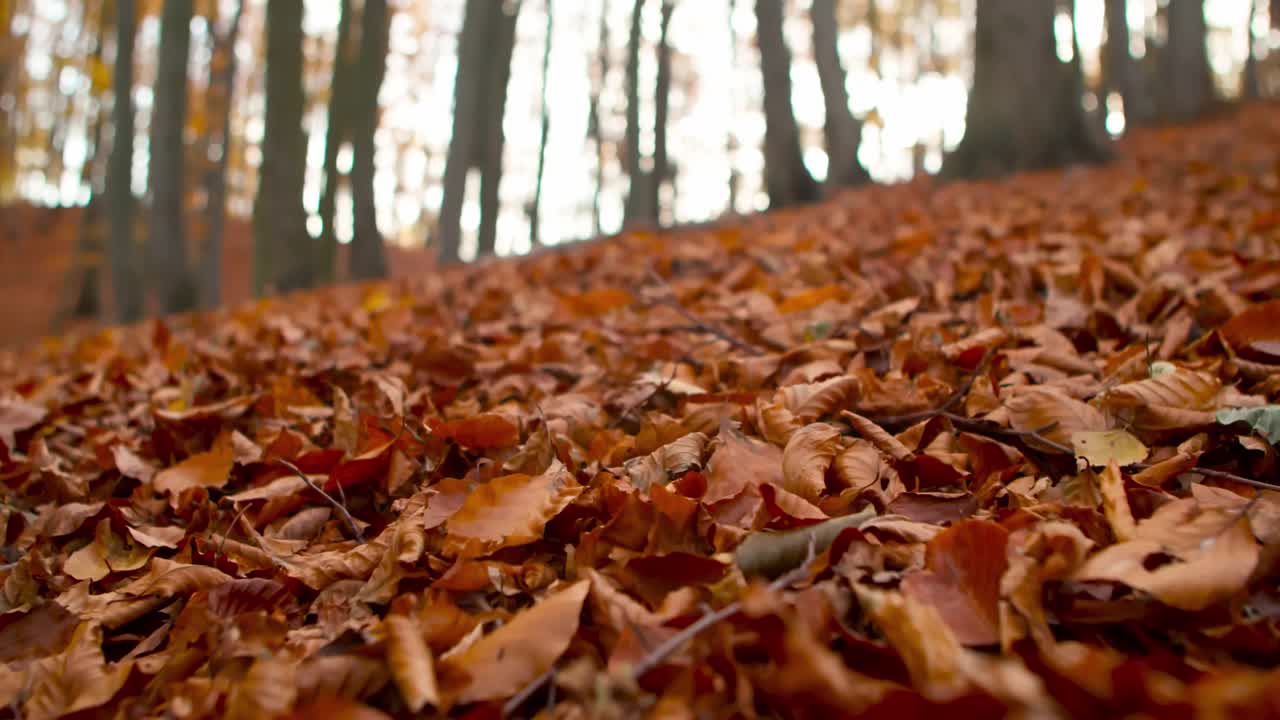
512 705
342 510
677 641
672 302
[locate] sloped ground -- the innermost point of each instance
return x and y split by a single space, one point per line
38 252
991 448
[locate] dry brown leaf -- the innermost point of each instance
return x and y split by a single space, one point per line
668 461
210 469
1181 389
1115 504
1035 408
878 436
501 663
410 662
508 511
806 458
75 680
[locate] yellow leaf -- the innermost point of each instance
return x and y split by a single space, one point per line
1108 446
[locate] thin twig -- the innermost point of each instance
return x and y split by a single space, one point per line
677 641
342 509
696 322
527 692
944 409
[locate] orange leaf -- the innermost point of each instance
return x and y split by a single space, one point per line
1255 332
483 432
502 663
508 511
964 565
209 469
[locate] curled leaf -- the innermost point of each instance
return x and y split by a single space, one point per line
808 454
774 553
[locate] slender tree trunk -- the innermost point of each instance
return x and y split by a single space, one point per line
1251 88
638 209
467 112
1187 81
368 258
167 248
1120 71
501 44
221 87
842 131
593 124
661 110
787 180
125 287
282 253
1009 124
731 141
335 134
535 208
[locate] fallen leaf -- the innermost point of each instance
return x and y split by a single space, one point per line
1263 420
964 564
1109 446
508 511
210 469
809 452
410 661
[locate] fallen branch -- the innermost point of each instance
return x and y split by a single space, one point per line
341 508
696 322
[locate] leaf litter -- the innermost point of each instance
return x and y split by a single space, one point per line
995 448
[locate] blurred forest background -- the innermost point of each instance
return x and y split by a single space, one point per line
162 155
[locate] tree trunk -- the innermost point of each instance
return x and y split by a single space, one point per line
167 248
544 129
1119 70
1009 125
468 96
125 287
1187 81
661 110
221 86
787 180
282 252
638 208
593 121
335 134
842 132
1251 88
368 259
501 44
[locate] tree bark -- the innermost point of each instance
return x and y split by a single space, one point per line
221 86
787 180
1251 87
593 121
661 110
638 208
282 253
842 132
1186 80
167 247
125 287
335 134
544 112
368 258
1009 125
501 44
467 111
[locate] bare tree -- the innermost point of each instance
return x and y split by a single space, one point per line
1186 82
222 74
1025 109
479 97
167 247
336 131
282 249
1120 70
842 131
786 178
368 258
544 113
125 287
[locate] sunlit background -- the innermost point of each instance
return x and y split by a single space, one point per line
908 64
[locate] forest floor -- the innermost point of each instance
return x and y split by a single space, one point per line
995 448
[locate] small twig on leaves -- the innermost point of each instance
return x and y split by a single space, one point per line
340 507
659 654
520 698
956 398
696 322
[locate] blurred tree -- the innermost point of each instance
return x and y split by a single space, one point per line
1024 111
786 178
336 130
841 130
1119 69
479 98
544 127
368 259
598 78
1186 82
283 257
83 276
646 174
222 74
125 287
166 265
